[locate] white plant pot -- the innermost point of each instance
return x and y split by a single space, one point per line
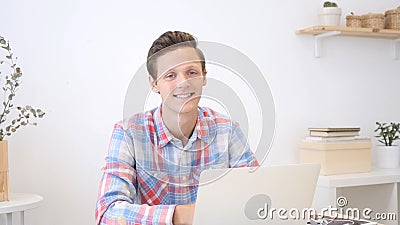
330 16
387 156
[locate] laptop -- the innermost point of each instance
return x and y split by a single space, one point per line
247 196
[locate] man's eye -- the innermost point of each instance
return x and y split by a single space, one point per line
193 73
169 76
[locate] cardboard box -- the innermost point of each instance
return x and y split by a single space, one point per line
337 157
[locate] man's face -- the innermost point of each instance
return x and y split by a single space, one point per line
180 79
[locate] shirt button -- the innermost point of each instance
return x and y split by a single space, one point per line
183 178
155 174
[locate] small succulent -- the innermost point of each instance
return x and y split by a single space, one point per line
387 133
23 114
330 4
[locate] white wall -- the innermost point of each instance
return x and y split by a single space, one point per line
78 58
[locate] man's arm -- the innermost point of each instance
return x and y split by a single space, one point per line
118 188
183 214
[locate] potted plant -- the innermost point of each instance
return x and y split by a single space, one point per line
12 117
387 154
330 14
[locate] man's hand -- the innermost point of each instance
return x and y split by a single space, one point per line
183 214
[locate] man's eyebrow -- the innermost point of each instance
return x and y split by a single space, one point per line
166 72
190 65
193 65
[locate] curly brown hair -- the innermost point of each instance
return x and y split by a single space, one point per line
168 40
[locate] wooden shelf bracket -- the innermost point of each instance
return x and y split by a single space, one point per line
319 37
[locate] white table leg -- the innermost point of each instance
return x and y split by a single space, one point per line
22 219
9 219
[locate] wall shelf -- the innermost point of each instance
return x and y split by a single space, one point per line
321 32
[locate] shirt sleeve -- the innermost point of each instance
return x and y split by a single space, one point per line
117 196
240 154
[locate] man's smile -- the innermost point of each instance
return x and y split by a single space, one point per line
184 96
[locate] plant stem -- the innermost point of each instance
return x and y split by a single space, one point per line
12 90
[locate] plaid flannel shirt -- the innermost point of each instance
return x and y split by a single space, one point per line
148 171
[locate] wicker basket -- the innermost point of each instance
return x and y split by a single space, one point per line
371 20
353 21
393 19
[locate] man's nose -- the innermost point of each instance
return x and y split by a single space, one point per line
183 81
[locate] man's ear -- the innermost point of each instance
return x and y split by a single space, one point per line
204 78
153 84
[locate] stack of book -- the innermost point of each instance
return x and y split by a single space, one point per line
334 134
338 149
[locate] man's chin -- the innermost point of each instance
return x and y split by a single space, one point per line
188 108
182 108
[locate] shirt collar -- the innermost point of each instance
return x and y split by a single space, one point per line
204 130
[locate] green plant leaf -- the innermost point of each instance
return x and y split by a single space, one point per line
33 112
41 114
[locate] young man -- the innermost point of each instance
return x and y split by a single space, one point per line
154 162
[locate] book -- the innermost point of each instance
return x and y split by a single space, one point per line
335 139
334 133
333 128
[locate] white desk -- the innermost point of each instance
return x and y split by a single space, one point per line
19 202
378 190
